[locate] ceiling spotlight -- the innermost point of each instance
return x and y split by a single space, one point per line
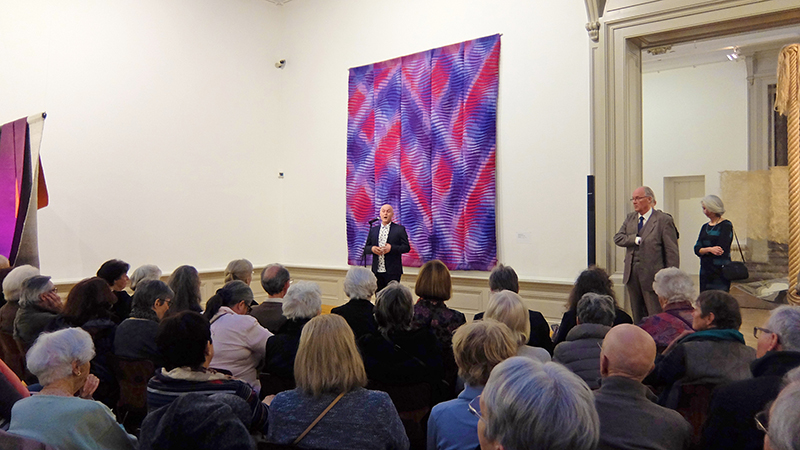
735 55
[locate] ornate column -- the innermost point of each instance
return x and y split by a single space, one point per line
787 103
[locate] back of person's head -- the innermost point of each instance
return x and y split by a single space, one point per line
433 281
51 356
507 307
674 285
394 308
12 284
238 269
274 278
90 299
182 340
627 351
360 283
528 404
596 308
784 415
144 298
145 272
303 300
112 269
479 346
594 279
185 283
32 289
327 359
503 278
196 421
785 322
725 308
230 295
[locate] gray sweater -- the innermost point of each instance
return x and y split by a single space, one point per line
362 419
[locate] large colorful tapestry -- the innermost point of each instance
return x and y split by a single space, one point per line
421 136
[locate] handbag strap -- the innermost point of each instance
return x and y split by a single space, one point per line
319 417
737 243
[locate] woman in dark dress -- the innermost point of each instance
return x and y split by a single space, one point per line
115 272
594 279
714 245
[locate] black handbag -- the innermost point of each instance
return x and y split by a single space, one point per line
736 270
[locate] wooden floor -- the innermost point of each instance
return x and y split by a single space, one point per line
752 318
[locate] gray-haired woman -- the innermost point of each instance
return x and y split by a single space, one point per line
56 416
676 294
135 337
39 304
714 245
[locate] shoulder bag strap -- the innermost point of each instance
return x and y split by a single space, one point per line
316 421
737 243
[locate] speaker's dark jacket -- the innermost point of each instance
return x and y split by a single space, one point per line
398 239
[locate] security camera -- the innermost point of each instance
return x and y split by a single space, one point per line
280 64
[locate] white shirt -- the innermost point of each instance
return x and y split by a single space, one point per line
239 345
644 222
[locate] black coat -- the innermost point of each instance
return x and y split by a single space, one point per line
398 239
540 331
730 423
569 320
360 315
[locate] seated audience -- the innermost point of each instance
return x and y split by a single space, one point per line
433 288
506 307
275 280
39 304
504 278
136 336
239 341
730 423
530 405
594 279
145 272
629 417
398 354
56 416
478 347
330 374
115 273
714 354
239 269
88 306
580 352
302 303
198 422
12 288
784 415
185 283
359 286
184 340
12 390
5 269
675 290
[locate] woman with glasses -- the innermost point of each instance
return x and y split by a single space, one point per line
136 336
239 340
713 245
478 347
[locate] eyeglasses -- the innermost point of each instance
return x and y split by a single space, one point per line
475 407
757 331
53 291
638 199
762 420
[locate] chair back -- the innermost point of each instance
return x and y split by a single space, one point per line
273 384
413 403
14 357
9 441
132 375
693 404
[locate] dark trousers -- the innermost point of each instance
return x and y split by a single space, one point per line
385 278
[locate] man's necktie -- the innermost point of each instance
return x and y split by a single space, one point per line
641 224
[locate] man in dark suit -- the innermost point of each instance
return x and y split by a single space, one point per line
387 243
651 240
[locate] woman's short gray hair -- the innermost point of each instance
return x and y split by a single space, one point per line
12 284
32 290
543 406
785 322
596 308
783 419
713 204
303 300
51 356
360 283
394 308
238 269
674 285
145 272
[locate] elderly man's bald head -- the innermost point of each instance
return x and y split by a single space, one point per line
628 351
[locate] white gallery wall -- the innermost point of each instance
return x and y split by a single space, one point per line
694 122
168 124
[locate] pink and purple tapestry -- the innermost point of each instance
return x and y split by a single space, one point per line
421 136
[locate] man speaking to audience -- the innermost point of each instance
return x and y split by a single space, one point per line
387 242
